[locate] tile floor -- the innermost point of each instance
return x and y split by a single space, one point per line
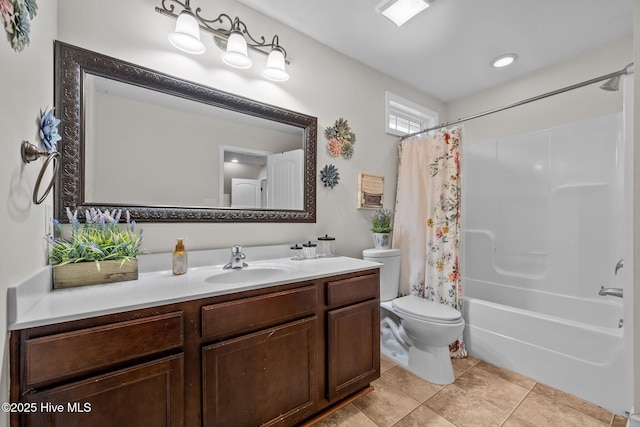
482 395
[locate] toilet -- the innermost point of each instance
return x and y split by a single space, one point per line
414 332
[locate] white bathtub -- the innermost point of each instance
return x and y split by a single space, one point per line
572 344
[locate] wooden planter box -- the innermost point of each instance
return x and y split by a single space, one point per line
86 273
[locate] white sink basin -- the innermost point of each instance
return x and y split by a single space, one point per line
257 273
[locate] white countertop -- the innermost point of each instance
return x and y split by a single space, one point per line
33 303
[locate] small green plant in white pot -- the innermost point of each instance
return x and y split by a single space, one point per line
381 228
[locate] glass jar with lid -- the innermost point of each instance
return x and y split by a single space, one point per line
326 246
295 252
309 250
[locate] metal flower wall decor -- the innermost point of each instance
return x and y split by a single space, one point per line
49 135
341 139
330 176
16 16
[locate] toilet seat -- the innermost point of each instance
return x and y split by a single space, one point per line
422 309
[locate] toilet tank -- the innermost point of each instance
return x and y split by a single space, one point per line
389 272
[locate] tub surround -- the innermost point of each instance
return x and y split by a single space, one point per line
532 278
34 303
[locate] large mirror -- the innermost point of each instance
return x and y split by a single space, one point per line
171 150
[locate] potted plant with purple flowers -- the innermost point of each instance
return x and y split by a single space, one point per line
100 251
381 228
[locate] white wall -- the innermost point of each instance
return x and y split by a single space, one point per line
26 87
564 108
323 83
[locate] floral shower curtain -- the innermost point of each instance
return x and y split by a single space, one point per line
427 219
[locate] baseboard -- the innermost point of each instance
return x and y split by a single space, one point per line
337 407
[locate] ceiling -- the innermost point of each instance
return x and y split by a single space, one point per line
445 50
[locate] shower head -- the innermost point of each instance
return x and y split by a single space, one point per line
613 84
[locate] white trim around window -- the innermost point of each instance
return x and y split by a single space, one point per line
403 116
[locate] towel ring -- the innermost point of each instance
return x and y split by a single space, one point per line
29 153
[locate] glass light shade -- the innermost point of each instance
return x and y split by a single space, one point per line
186 37
275 69
400 11
236 55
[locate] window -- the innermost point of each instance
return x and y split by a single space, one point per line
404 116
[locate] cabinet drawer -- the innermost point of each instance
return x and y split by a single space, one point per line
147 394
251 314
355 289
82 351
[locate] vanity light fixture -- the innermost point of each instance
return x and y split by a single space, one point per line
236 55
235 39
504 60
275 69
400 11
186 37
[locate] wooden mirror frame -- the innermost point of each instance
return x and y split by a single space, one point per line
71 64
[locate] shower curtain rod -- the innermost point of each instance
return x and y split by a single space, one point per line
626 70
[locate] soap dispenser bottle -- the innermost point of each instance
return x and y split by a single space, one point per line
179 258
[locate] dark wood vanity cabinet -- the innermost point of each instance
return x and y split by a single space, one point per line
116 372
353 334
275 357
266 374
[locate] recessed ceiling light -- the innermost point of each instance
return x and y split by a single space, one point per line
400 11
234 160
504 60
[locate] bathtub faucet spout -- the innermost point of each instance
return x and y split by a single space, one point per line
616 292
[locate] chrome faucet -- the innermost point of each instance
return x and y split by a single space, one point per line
237 259
615 292
619 265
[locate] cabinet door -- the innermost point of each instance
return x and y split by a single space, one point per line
265 378
149 394
353 345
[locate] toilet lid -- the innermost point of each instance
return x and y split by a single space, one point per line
380 253
421 308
